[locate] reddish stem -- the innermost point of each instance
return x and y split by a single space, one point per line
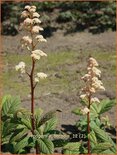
88 130
88 125
32 95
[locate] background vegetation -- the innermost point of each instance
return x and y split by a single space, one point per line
69 16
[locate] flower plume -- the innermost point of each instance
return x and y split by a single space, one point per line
92 81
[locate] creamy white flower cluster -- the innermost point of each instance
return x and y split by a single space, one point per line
40 75
31 19
20 67
37 54
31 23
93 83
85 111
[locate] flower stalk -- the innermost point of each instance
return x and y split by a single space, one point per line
93 84
88 123
31 23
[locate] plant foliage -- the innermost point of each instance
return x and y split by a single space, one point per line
17 128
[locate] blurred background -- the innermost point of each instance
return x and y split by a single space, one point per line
94 17
74 31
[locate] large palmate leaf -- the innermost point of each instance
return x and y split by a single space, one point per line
46 146
10 105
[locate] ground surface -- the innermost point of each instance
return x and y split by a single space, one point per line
65 64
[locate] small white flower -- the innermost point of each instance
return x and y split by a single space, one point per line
35 56
41 75
92 90
32 9
27 21
93 61
85 111
36 29
27 7
95 99
83 96
36 15
86 77
96 71
27 40
20 67
36 21
24 14
40 38
39 52
102 88
36 80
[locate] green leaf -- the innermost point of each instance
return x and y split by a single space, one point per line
18 134
47 117
101 147
60 142
50 124
72 148
102 135
94 110
106 105
41 129
92 137
108 151
10 105
27 123
21 144
7 128
77 111
46 146
38 113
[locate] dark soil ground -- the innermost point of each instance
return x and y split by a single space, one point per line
61 90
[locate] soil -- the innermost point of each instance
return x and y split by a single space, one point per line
81 42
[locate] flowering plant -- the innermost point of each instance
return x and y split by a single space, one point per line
28 129
91 123
24 130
